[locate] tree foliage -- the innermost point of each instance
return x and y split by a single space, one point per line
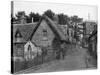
20 14
49 13
63 19
29 17
76 19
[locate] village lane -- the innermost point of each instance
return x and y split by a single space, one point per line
75 60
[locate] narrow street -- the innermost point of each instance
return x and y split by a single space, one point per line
75 60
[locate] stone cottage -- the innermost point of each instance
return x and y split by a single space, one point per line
45 33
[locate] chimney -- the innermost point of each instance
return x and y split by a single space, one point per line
32 19
23 19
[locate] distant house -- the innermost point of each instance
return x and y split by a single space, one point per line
89 27
64 28
40 34
92 41
70 33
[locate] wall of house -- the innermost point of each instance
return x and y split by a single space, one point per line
71 34
18 50
39 37
89 27
93 45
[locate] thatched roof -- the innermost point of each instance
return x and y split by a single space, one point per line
54 27
27 30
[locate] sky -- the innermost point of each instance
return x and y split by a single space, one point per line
86 12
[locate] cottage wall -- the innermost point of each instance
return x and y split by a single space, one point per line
40 39
18 49
93 45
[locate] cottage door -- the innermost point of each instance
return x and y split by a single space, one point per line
30 51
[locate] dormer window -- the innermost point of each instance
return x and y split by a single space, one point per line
18 36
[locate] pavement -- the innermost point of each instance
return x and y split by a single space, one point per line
75 59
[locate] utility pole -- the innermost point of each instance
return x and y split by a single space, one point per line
32 19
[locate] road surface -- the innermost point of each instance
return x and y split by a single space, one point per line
75 60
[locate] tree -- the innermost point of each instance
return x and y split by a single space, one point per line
28 19
75 19
49 13
37 17
63 19
20 14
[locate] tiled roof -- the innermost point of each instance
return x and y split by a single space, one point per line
57 28
25 30
94 33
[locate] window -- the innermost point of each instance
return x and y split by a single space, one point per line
45 35
29 48
18 36
44 32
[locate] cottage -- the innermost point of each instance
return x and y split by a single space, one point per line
92 47
89 27
41 34
70 33
21 33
